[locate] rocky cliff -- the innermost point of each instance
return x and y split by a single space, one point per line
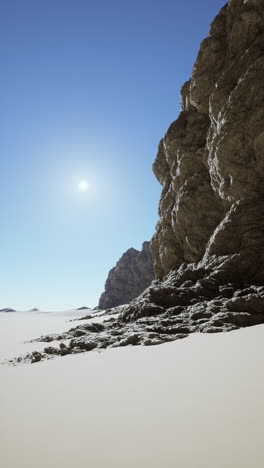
208 247
210 236
211 162
132 274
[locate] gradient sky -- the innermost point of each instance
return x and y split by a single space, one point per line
87 90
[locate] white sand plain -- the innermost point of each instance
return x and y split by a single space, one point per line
194 403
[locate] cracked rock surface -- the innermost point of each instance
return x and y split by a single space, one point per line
210 162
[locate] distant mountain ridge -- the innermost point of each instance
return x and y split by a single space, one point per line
7 309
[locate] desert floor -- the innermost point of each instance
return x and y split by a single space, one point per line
194 403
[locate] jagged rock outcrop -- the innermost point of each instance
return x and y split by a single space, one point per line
211 162
211 165
132 274
208 247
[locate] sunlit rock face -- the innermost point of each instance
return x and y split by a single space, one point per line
209 241
211 160
132 274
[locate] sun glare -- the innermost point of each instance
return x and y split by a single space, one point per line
83 185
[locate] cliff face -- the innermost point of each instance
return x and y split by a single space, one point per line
132 274
209 241
211 162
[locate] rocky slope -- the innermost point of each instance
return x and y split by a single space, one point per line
132 274
208 247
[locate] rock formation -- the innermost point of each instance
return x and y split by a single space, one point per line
7 309
210 236
132 274
208 247
211 162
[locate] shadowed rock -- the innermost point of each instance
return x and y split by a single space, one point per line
132 274
145 323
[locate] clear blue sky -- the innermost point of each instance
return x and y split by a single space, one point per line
87 90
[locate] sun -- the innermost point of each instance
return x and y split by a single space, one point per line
83 185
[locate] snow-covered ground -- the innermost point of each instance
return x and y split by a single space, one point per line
193 403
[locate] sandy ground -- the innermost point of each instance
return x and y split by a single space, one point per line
194 403
16 328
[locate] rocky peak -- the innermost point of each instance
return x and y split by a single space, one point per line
132 274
